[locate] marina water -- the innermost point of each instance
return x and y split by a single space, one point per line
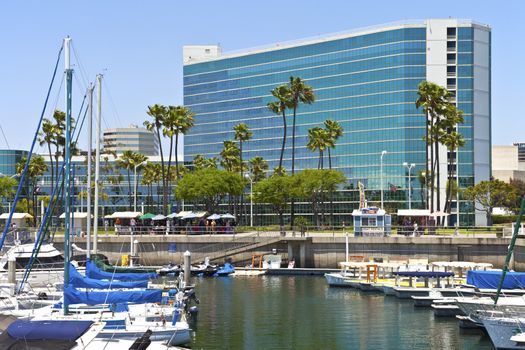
300 312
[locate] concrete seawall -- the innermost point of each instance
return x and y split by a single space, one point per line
320 251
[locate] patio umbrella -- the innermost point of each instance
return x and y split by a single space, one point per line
214 217
439 214
147 216
158 217
227 216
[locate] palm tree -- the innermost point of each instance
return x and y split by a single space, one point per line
453 141
128 160
319 139
150 176
283 95
335 131
242 134
158 113
183 123
47 137
37 167
258 168
200 162
230 156
300 93
433 99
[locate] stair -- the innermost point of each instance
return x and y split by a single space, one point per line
244 248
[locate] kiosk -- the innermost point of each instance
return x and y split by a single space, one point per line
371 222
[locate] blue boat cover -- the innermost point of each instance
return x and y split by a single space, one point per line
79 281
92 271
225 270
490 279
48 330
74 296
424 274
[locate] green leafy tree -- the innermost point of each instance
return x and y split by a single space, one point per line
7 187
230 155
519 188
206 188
314 183
277 191
491 194
335 131
48 137
242 134
283 95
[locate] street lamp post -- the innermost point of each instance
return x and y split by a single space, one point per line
382 154
135 184
247 176
409 167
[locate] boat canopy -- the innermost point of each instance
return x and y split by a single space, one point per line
490 279
92 271
74 296
48 330
79 281
121 269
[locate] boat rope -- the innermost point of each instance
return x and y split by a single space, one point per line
517 226
22 178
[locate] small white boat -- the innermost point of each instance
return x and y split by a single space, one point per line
502 329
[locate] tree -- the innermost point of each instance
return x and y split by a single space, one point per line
37 167
312 184
7 187
207 187
277 191
519 188
283 94
48 137
434 100
319 139
335 131
258 168
453 141
242 134
151 175
158 113
491 194
128 161
230 155
179 121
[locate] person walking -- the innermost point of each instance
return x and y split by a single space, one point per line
213 224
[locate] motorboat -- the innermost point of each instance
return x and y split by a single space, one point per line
225 270
502 328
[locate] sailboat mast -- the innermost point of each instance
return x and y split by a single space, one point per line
67 159
97 161
88 184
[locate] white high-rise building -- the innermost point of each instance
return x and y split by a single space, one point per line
133 138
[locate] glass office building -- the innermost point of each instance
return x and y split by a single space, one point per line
367 80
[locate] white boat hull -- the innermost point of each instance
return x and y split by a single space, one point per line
501 330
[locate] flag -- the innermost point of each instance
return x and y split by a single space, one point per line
393 188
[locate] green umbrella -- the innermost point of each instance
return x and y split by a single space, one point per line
147 216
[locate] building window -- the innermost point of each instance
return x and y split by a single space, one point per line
451 46
451 70
451 32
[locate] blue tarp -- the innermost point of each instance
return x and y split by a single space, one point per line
48 330
490 279
92 271
73 296
225 270
79 281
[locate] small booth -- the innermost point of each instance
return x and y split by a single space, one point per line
79 221
122 219
371 222
19 219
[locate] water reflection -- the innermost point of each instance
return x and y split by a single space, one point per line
270 312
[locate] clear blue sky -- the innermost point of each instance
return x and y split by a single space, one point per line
138 46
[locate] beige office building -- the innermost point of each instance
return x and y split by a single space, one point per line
508 162
133 138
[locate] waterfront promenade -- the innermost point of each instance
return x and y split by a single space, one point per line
314 250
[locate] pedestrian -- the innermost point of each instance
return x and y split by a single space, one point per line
207 226
106 226
117 226
133 223
416 232
213 224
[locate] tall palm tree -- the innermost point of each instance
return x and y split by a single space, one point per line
242 134
47 137
151 175
37 167
258 168
453 141
335 131
433 99
230 156
300 93
183 123
158 113
128 160
319 139
283 94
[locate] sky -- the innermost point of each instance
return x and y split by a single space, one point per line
137 45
